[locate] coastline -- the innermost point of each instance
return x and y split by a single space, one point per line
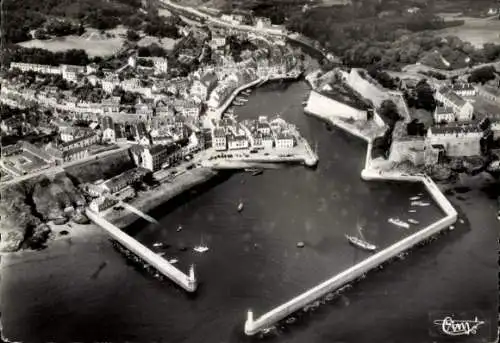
151 199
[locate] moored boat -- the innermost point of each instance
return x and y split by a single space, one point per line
360 243
415 198
399 222
413 221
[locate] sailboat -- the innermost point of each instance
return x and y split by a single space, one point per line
360 242
201 248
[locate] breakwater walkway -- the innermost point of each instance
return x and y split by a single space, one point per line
187 282
138 212
268 320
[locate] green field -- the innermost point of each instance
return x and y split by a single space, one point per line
92 41
477 31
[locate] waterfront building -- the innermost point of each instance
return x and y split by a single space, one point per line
127 178
153 157
458 139
443 114
237 142
101 204
219 139
268 141
284 141
464 89
462 108
108 130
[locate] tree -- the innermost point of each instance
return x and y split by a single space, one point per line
133 36
425 96
389 111
482 75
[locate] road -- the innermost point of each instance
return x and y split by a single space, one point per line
60 169
263 31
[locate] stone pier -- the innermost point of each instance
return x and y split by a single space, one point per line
187 282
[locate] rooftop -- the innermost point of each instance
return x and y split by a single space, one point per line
456 128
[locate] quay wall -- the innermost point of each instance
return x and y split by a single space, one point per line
323 106
217 113
279 313
188 283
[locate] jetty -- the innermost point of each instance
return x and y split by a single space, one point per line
269 319
187 282
138 212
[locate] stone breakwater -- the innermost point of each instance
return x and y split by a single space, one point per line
369 173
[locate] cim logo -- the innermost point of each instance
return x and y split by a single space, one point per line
453 327
460 325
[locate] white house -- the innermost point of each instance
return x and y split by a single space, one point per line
284 141
237 142
462 108
219 139
458 139
443 114
464 89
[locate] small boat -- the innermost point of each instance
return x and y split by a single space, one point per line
290 320
419 203
257 172
304 103
399 222
157 244
240 207
179 228
361 243
173 261
415 198
461 221
300 244
201 248
452 227
412 211
413 221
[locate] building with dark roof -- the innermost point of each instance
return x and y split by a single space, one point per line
463 109
464 89
154 157
458 139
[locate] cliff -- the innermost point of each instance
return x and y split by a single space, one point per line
27 205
